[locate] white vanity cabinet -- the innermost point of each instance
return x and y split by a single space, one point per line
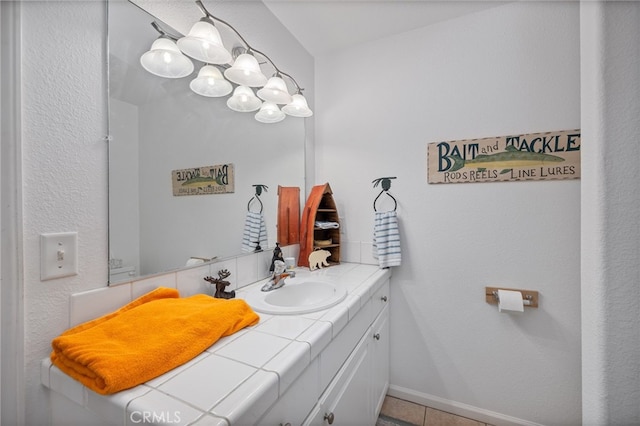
347 400
347 382
327 368
356 393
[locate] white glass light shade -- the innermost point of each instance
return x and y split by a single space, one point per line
298 107
275 91
246 71
243 100
164 59
210 82
204 44
269 113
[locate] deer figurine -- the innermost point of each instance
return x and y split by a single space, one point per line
220 284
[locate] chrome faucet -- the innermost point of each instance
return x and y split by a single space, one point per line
279 274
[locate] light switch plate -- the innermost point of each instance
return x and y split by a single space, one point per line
58 255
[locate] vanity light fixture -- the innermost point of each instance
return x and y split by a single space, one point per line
246 71
275 91
203 43
297 107
164 59
210 82
243 100
269 113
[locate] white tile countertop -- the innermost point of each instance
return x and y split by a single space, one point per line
237 379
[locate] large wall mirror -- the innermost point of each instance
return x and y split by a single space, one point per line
158 125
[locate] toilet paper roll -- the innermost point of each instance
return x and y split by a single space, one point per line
510 301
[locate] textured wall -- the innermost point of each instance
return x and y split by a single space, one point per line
64 165
610 204
511 69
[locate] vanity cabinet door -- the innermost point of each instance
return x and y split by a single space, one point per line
352 403
296 403
380 298
347 400
380 364
354 395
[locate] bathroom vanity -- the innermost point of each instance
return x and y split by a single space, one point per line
328 366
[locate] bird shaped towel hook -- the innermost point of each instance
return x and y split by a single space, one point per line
259 188
385 183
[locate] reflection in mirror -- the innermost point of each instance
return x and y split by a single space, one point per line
158 126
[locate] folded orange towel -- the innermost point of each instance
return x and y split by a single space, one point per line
146 338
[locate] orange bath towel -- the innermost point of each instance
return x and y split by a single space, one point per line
146 338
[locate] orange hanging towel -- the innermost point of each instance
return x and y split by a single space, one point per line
146 338
288 215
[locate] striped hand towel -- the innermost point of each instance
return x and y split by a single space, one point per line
386 239
255 231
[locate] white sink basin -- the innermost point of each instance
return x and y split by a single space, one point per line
296 297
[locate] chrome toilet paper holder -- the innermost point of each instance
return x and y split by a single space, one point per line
529 297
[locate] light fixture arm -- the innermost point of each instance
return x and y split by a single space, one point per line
210 16
293 80
162 32
203 9
249 48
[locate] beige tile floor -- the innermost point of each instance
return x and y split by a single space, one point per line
420 415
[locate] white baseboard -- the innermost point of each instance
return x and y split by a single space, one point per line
457 408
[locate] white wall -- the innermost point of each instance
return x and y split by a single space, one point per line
64 166
610 56
511 69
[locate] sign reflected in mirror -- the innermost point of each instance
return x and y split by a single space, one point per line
157 126
203 180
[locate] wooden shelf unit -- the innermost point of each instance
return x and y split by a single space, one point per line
320 206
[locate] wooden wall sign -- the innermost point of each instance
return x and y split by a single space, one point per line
533 156
203 180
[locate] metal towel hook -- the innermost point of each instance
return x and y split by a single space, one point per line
259 188
385 183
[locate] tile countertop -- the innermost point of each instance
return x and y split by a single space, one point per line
237 379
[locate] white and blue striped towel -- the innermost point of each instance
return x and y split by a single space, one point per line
255 231
386 239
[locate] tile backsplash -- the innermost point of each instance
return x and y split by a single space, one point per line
245 269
